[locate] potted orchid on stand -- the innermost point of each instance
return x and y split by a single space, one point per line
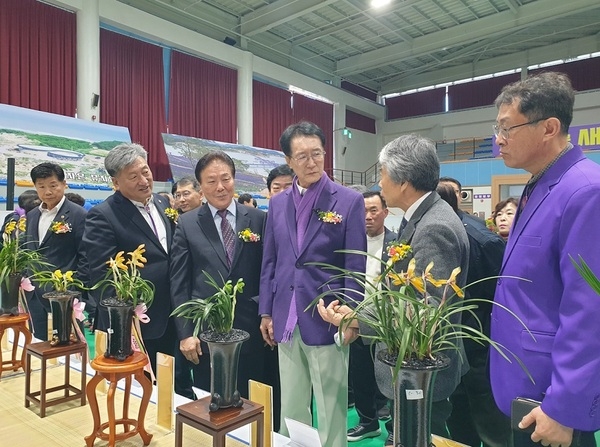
132 295
15 261
414 331
214 315
63 301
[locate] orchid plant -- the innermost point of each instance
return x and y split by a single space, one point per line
217 311
60 282
124 276
402 314
14 256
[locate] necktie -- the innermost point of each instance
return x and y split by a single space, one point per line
402 226
147 208
228 236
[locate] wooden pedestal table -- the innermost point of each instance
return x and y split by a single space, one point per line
218 423
44 351
18 323
113 371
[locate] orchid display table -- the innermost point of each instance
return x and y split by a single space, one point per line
18 323
45 351
220 422
113 371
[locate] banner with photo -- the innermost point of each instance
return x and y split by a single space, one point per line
252 164
78 146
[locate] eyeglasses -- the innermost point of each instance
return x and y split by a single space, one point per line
504 132
303 158
183 195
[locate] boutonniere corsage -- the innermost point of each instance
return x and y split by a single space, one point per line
60 227
397 251
330 217
172 214
248 236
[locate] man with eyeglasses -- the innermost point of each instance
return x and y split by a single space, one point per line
188 195
558 214
306 224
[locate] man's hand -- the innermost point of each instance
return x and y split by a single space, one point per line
266 329
334 313
191 350
547 431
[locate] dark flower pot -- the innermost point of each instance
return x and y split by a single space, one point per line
413 391
224 359
120 319
9 294
61 305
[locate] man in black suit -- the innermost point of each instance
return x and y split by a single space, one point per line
133 215
55 228
368 399
475 417
208 239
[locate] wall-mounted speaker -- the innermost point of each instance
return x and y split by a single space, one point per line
466 196
95 99
229 41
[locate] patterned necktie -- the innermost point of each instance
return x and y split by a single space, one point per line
228 236
402 226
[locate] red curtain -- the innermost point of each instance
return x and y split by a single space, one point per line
38 57
272 113
320 113
415 104
480 93
360 122
583 73
202 99
132 94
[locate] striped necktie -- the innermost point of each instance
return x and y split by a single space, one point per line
228 236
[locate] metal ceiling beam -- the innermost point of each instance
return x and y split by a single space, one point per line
512 5
561 50
382 20
276 13
529 15
330 30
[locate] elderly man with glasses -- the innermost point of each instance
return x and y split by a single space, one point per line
309 223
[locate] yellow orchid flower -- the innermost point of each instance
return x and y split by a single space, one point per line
137 257
452 282
57 275
10 227
22 224
69 275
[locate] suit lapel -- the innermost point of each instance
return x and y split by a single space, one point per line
290 220
206 222
33 222
161 206
61 216
131 211
325 202
242 221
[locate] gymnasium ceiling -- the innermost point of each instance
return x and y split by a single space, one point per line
406 44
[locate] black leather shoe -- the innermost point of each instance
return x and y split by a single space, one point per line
389 442
362 431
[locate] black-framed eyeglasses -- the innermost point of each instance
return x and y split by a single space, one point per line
504 132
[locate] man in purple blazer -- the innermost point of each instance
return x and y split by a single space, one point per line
557 218
308 223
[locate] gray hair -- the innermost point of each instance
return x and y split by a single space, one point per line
413 159
547 95
122 156
188 180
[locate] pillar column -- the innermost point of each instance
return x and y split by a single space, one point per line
88 61
244 100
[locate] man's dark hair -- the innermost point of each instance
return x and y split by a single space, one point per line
174 188
244 198
188 180
303 128
368 194
447 193
209 158
29 199
46 170
451 180
75 198
542 96
278 171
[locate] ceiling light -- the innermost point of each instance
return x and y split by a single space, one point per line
379 3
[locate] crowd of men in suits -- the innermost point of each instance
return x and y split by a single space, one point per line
312 218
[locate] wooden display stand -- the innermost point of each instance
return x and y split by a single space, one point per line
218 423
18 323
113 371
44 351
